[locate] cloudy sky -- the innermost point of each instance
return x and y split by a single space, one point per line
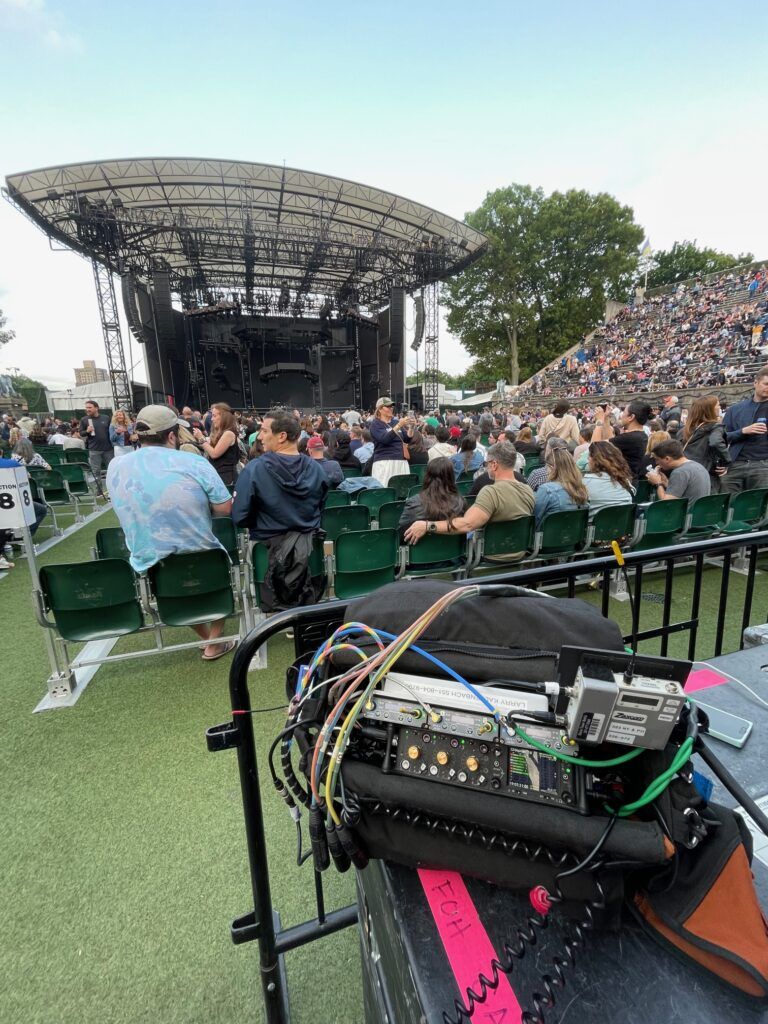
660 104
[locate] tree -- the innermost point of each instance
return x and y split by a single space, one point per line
551 263
6 334
685 260
453 382
33 391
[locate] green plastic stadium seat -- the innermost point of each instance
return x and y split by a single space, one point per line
375 498
192 588
419 470
562 534
464 487
645 492
708 516
350 471
748 510
110 543
364 562
336 521
614 522
77 456
437 553
92 600
389 515
260 564
663 522
74 474
505 538
51 486
225 532
336 499
532 461
402 483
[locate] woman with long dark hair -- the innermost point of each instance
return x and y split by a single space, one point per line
608 479
704 439
417 450
467 459
437 499
222 447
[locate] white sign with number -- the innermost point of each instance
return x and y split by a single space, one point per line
16 508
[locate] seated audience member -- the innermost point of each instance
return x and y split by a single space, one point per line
342 452
704 439
443 448
564 490
581 451
279 497
607 479
632 440
540 475
438 499
525 443
24 453
356 438
468 459
331 468
676 476
417 451
653 439
560 423
501 501
428 435
63 437
364 453
163 499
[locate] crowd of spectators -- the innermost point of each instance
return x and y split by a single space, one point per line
705 334
272 472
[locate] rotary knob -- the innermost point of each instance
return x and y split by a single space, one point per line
413 753
441 757
473 764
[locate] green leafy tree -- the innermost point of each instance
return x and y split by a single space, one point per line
551 263
31 390
6 334
685 260
453 382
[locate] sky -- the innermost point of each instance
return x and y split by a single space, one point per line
659 104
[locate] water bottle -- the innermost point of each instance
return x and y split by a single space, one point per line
7 550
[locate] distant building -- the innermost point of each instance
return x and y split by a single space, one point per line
89 373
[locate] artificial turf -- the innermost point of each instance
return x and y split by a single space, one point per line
122 841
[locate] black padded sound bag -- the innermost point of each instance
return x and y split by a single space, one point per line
505 632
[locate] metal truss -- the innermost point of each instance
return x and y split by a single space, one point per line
246 229
113 339
431 296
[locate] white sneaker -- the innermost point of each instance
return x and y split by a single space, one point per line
5 564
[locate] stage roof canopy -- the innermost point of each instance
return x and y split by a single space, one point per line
223 227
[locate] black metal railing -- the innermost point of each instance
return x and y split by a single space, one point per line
314 623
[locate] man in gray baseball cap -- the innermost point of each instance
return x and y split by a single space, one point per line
164 499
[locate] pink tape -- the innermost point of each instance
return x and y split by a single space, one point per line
467 946
702 679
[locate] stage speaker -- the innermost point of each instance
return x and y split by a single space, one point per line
418 334
396 323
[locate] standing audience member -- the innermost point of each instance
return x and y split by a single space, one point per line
388 457
94 428
564 490
121 433
676 476
607 480
164 499
746 426
704 439
438 498
331 468
279 497
222 447
632 440
560 423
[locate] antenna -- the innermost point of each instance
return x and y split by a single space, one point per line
619 556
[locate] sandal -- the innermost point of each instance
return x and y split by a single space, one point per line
227 647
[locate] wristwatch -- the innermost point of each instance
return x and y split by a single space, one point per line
431 527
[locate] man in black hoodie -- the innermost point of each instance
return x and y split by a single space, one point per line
281 491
